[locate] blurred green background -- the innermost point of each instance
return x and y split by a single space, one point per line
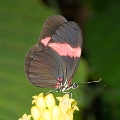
20 25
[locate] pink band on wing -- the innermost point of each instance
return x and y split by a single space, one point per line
60 79
58 83
69 81
45 40
65 49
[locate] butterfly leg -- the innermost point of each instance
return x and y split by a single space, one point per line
51 91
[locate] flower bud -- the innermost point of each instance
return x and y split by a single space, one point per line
50 101
55 111
35 113
47 115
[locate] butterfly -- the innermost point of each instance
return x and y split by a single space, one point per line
53 61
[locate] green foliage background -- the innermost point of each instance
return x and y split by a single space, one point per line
20 25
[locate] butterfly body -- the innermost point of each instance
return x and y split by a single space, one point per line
53 61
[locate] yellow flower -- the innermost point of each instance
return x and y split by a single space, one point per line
65 116
39 102
47 115
65 102
25 117
74 106
56 113
35 112
45 108
50 101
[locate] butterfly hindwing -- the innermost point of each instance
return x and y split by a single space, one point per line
43 68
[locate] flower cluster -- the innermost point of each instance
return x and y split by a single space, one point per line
45 108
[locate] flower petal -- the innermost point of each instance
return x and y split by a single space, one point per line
25 117
65 102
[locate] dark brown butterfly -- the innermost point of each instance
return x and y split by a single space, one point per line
53 61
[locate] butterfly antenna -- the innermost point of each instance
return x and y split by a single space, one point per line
91 82
77 94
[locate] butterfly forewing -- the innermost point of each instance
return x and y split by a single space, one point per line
49 28
67 42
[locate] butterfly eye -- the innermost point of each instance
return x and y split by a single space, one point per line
74 85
